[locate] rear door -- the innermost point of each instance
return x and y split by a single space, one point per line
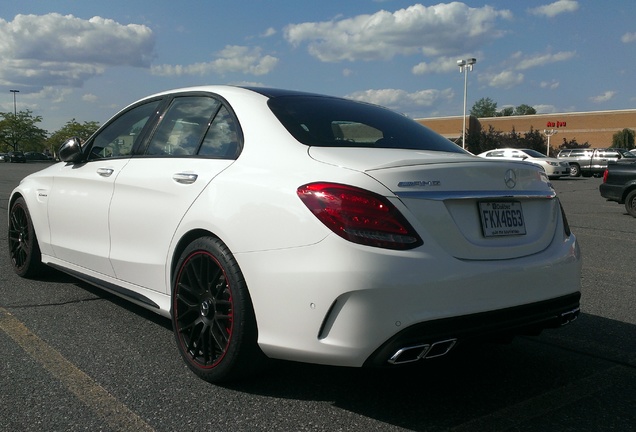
197 138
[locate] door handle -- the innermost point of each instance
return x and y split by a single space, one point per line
185 178
105 172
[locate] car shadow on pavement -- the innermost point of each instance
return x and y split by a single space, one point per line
561 374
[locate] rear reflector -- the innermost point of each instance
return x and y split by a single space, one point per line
359 216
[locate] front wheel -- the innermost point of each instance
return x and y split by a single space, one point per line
630 203
575 170
24 250
212 314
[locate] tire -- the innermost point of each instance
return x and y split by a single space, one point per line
575 170
24 249
212 315
630 203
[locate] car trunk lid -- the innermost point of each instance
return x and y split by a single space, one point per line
473 208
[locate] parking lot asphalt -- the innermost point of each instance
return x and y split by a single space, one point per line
75 358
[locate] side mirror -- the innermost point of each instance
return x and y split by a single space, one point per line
71 150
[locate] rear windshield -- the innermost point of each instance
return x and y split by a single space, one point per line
331 122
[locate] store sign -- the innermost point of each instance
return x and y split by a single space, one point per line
557 124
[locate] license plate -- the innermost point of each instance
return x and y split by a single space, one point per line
502 218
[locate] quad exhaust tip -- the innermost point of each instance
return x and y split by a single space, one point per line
415 353
569 316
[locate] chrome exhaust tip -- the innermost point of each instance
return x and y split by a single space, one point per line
569 316
440 348
409 354
415 353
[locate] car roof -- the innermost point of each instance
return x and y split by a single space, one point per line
268 92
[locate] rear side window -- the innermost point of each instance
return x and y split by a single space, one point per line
183 126
496 153
332 122
221 140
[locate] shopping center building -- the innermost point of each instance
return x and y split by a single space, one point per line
595 128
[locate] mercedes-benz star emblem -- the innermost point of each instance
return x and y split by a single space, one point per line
510 178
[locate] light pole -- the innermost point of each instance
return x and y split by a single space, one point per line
549 133
465 66
15 111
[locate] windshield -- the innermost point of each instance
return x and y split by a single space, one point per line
332 122
626 154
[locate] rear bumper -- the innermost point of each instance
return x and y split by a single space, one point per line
520 320
356 304
611 192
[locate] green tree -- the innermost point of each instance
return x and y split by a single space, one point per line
573 144
511 140
484 107
524 109
71 129
506 112
623 139
20 131
535 140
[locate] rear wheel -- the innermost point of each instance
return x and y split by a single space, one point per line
24 250
212 315
630 203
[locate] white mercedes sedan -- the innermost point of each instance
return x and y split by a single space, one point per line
277 224
554 168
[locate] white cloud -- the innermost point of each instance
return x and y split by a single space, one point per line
269 32
628 37
89 97
545 109
439 65
543 59
442 29
232 58
553 9
552 85
608 95
50 94
401 100
505 79
53 49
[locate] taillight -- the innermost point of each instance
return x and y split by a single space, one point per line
359 216
605 174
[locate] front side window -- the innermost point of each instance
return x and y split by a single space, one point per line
119 137
183 126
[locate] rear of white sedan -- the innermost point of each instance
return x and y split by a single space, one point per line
334 232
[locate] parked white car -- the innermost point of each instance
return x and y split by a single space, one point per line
553 167
270 223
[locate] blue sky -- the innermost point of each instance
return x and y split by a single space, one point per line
86 59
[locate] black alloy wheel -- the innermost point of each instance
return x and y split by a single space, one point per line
212 315
24 250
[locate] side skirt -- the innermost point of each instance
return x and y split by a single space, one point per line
110 287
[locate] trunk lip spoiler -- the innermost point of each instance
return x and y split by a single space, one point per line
465 195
